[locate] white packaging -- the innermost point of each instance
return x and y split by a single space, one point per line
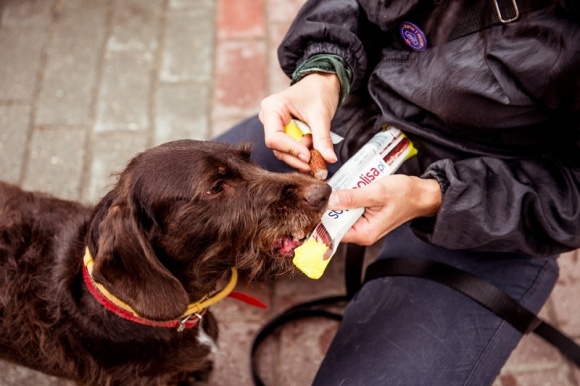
380 156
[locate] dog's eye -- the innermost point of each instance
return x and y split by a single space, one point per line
218 187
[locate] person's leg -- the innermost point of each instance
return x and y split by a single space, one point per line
411 331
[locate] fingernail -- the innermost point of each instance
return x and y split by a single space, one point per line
302 157
329 154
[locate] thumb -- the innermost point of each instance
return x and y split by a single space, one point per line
324 144
346 199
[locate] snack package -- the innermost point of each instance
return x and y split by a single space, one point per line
380 156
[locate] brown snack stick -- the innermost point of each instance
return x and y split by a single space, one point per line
317 165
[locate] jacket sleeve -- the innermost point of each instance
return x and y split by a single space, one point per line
529 206
523 205
337 27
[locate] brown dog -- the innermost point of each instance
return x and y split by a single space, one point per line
157 251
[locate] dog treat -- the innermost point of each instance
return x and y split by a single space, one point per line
381 156
296 130
317 165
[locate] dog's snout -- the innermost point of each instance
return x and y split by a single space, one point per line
317 195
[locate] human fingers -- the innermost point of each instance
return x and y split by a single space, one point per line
352 198
367 229
321 141
292 161
389 202
363 232
274 114
318 112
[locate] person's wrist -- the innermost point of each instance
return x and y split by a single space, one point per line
427 196
326 81
329 64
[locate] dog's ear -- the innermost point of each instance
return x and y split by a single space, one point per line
127 266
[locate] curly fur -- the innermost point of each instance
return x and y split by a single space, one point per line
180 216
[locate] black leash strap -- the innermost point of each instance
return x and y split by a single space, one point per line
314 308
301 311
466 283
479 290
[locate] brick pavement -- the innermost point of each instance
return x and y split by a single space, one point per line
86 84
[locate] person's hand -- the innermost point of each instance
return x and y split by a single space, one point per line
313 100
389 202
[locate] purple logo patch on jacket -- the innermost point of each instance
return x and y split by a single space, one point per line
413 36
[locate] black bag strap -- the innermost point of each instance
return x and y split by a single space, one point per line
464 282
314 308
479 290
300 311
479 15
353 266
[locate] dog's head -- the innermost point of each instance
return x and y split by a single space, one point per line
183 213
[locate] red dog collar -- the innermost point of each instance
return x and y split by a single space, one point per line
190 317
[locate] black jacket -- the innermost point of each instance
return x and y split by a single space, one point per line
495 116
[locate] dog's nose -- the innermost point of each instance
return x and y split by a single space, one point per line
317 195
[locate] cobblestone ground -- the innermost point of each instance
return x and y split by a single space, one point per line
86 84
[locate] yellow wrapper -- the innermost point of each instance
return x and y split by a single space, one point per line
308 258
293 131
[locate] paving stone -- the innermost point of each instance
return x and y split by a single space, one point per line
283 11
20 63
221 124
205 5
565 295
232 310
241 19
575 374
267 360
304 345
14 131
72 64
21 376
533 351
135 25
301 288
188 45
110 154
277 79
279 23
23 33
232 363
558 376
56 161
181 112
124 102
239 83
27 13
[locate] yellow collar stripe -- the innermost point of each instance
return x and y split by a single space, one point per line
193 308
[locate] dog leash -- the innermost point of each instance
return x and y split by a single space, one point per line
481 291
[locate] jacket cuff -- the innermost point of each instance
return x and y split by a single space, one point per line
423 227
326 63
441 178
